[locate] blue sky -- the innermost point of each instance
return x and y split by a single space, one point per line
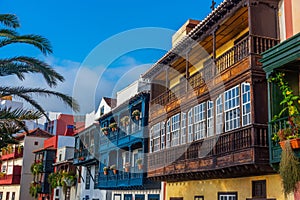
76 27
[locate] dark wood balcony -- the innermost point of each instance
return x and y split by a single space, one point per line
230 64
237 153
14 178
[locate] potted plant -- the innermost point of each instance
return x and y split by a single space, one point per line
105 170
288 133
113 126
139 162
4 150
114 169
127 166
2 174
35 189
36 168
136 113
81 158
20 149
125 121
290 103
105 130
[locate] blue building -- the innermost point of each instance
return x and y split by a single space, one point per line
123 151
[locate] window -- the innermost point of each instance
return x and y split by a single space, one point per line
151 139
153 196
199 121
176 198
232 108
227 195
219 114
210 118
246 106
156 137
96 176
168 139
127 196
199 198
59 157
259 189
1 195
183 128
13 194
117 196
7 195
139 197
175 130
190 126
57 192
163 135
102 110
88 178
36 143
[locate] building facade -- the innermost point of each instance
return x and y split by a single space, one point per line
208 107
15 175
123 149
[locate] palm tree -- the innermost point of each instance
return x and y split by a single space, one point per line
12 121
20 65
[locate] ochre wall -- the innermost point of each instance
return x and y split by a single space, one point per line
296 16
210 188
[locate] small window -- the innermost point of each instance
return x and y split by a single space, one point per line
59 159
259 189
102 110
153 196
227 195
1 195
199 198
88 178
7 195
13 194
117 196
36 143
57 192
176 198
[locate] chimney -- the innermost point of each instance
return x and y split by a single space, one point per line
184 30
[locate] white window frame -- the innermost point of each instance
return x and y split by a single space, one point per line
156 137
232 108
219 115
210 118
151 139
163 136
168 134
175 130
200 121
246 102
183 128
190 126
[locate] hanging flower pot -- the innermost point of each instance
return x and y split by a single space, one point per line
136 114
105 130
295 143
105 170
113 126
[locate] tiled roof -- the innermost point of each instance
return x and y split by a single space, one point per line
35 132
110 101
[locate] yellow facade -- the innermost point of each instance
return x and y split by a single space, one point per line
296 16
210 188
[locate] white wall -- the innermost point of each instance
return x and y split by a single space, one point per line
92 193
65 152
107 109
10 104
127 93
68 141
89 119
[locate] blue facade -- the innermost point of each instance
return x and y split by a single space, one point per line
124 145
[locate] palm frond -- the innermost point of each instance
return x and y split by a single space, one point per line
36 40
19 114
9 20
18 91
8 33
20 65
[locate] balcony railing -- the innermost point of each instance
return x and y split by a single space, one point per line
243 49
275 149
13 178
246 139
123 134
16 153
83 155
121 179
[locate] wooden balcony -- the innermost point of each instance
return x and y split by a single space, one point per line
232 63
14 154
14 178
83 157
237 153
